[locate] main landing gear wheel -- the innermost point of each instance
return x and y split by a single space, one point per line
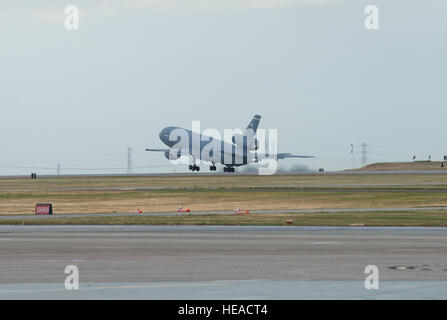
194 168
229 169
213 168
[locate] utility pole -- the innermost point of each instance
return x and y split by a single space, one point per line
129 160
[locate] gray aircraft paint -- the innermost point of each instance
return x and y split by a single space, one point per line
228 154
241 151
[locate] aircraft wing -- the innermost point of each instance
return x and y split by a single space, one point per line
289 155
158 150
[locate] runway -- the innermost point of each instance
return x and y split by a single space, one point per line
228 290
148 262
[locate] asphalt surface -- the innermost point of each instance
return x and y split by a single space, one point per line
148 262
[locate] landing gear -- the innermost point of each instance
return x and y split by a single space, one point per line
229 169
213 168
193 166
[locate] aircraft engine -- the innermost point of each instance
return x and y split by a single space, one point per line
239 141
254 145
173 155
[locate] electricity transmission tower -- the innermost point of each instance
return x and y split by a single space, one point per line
364 152
129 160
352 156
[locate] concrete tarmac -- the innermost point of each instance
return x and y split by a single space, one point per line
181 262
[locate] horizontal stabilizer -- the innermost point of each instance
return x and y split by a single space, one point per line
289 155
158 150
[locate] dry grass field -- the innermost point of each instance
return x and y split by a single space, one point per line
415 165
435 218
208 193
220 181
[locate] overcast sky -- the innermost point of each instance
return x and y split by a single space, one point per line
310 68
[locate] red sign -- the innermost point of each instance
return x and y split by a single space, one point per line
44 209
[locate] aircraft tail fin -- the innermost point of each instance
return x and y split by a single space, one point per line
254 123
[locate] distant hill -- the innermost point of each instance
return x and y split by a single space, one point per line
404 166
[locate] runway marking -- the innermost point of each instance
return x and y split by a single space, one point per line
321 242
424 267
42 260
